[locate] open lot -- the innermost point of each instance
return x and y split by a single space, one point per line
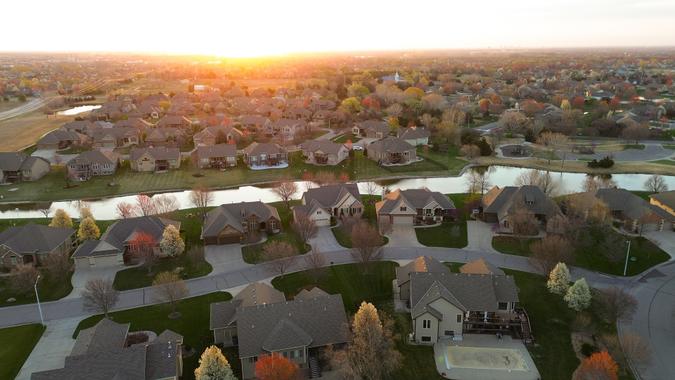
22 131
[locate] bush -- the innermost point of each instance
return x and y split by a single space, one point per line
588 349
606 162
484 146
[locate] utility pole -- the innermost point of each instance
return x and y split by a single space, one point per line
625 267
42 320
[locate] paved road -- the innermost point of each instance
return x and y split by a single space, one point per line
27 107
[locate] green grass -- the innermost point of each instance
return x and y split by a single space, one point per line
451 235
664 162
634 146
138 277
669 146
512 246
16 343
193 325
343 138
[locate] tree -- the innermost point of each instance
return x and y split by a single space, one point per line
281 255
275 367
549 251
169 288
125 210
351 105
22 278
615 304
598 366
99 295
366 242
541 179
513 121
559 279
213 366
656 184
635 133
578 296
57 266
144 205
88 230
470 151
553 142
85 212
523 221
305 227
478 181
200 197
315 261
285 190
636 349
372 353
164 204
143 246
172 243
61 219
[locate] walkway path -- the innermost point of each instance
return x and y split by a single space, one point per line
324 241
479 236
52 349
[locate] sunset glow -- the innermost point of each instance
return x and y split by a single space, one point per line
260 27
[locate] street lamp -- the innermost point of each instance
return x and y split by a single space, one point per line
42 320
625 267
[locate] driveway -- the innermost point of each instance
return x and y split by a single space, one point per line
403 236
664 239
479 236
324 241
51 350
225 258
81 276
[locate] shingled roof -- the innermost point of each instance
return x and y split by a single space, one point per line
157 153
325 146
124 230
11 161
34 238
218 150
480 266
419 265
415 198
390 144
223 313
505 200
232 214
631 205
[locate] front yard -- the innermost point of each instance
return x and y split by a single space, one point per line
448 234
16 343
193 325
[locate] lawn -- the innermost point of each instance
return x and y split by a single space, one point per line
450 234
590 254
193 325
634 146
16 343
664 162
22 131
343 138
669 146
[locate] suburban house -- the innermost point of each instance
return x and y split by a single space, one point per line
500 204
262 155
636 214
414 136
287 129
414 207
157 159
18 166
324 152
117 137
107 351
60 139
445 304
252 123
239 222
135 236
174 121
391 151
322 203
83 127
92 163
664 200
97 254
164 137
219 156
262 322
217 135
374 129
31 243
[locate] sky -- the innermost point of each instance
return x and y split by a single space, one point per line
270 27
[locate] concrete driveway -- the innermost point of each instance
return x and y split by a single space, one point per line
664 239
324 241
51 350
224 258
403 236
81 276
479 236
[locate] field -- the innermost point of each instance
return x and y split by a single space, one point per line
22 131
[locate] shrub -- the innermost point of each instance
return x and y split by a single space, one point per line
606 162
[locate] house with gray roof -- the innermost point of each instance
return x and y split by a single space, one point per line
97 254
391 151
499 205
104 352
480 266
116 137
134 237
92 163
664 200
18 166
299 329
174 121
636 214
217 135
219 156
32 243
239 222
156 159
263 155
422 264
166 136
414 135
321 204
374 129
324 152
414 207
60 139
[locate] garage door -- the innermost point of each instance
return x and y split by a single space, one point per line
229 239
322 222
403 219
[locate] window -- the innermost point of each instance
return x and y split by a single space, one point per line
318 212
459 318
426 339
427 211
449 333
503 305
253 359
426 323
403 208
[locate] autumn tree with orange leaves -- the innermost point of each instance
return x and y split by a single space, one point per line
599 366
275 367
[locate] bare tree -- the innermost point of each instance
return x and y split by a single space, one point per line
541 179
164 204
470 151
144 205
125 210
45 209
280 254
549 251
656 184
57 265
366 242
195 254
478 181
523 221
635 133
305 227
22 278
286 190
100 295
170 288
553 142
636 349
200 197
616 304
316 261
371 187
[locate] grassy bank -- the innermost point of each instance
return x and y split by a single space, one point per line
16 343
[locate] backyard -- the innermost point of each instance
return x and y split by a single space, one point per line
16 343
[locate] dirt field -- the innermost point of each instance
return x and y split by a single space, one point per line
23 131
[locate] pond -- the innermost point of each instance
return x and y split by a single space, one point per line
78 110
498 175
